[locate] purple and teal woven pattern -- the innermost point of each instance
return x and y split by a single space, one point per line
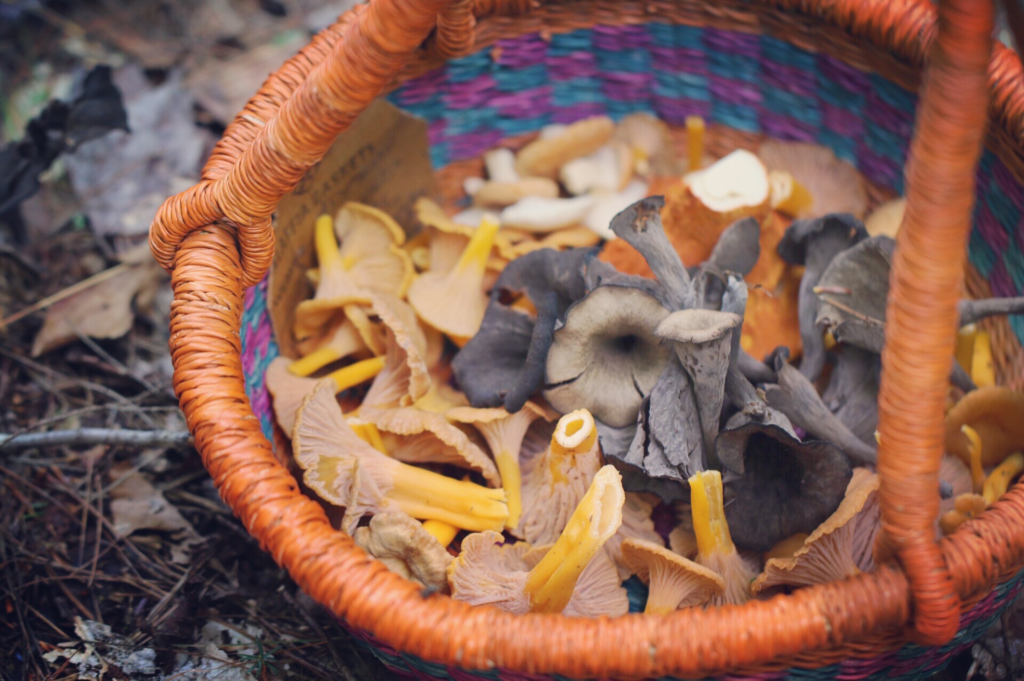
909 663
749 82
258 349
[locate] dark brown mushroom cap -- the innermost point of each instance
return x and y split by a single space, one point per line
841 230
668 446
503 364
605 356
777 486
852 391
854 289
703 342
797 398
496 366
736 253
814 243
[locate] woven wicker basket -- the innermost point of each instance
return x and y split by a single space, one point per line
843 73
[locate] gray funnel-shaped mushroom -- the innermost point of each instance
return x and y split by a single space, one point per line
702 340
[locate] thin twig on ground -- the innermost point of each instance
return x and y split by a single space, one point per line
81 437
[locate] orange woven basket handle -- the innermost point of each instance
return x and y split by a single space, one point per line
216 239
247 176
921 318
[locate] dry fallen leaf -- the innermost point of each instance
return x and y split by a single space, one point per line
103 310
137 505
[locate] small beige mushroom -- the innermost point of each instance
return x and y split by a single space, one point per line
675 582
573 577
835 185
609 204
405 548
828 553
501 165
651 143
501 194
735 182
546 155
536 214
887 218
346 471
471 185
609 169
789 197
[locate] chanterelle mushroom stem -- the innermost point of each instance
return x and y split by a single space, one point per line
715 549
999 479
443 532
708 508
975 450
598 516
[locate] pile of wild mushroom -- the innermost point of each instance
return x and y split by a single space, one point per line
500 410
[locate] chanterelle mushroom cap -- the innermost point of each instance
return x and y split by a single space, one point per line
814 243
452 302
715 548
405 377
346 471
504 433
521 579
995 414
827 554
605 356
778 485
396 403
407 549
288 390
834 184
675 582
370 258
